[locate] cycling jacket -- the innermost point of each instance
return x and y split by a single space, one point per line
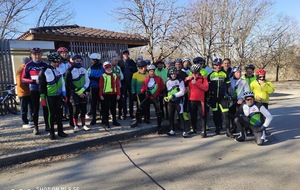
31 74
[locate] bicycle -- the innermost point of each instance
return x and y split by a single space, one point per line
8 103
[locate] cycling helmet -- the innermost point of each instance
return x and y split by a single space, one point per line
95 56
198 60
141 63
106 64
177 60
140 57
148 62
77 56
168 61
125 51
195 68
248 94
250 66
35 50
172 70
186 59
260 72
236 68
217 61
151 67
53 57
62 49
159 61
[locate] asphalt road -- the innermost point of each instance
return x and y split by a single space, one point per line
162 162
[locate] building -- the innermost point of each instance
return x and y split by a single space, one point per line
78 39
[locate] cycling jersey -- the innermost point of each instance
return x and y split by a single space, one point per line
52 82
237 88
158 86
94 74
263 91
257 114
31 74
137 82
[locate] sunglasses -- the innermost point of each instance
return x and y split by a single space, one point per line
249 99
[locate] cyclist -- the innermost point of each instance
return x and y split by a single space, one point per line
163 73
252 115
174 97
181 75
186 64
117 70
23 93
237 88
249 75
52 89
77 81
109 93
262 88
152 87
204 71
63 66
94 73
198 85
128 67
30 75
226 66
219 97
136 84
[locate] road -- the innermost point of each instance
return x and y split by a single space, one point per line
162 162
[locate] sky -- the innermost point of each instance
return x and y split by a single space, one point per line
98 13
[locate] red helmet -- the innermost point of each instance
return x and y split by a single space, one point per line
260 72
62 49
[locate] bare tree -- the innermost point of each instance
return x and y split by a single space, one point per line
224 28
55 12
154 19
11 14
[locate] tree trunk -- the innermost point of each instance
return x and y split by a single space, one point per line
277 72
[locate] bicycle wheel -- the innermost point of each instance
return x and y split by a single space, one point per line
11 105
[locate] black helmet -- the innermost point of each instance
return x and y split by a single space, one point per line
53 57
141 63
217 61
199 60
77 56
249 66
195 68
125 51
172 70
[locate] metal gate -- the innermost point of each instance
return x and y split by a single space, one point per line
6 74
6 69
107 51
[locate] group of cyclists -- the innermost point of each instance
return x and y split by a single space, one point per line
181 90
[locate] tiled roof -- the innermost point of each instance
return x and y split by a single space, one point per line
80 31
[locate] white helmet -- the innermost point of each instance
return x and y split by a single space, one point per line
95 56
151 67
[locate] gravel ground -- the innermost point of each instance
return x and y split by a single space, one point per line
14 139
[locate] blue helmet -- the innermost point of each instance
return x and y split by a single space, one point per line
77 56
